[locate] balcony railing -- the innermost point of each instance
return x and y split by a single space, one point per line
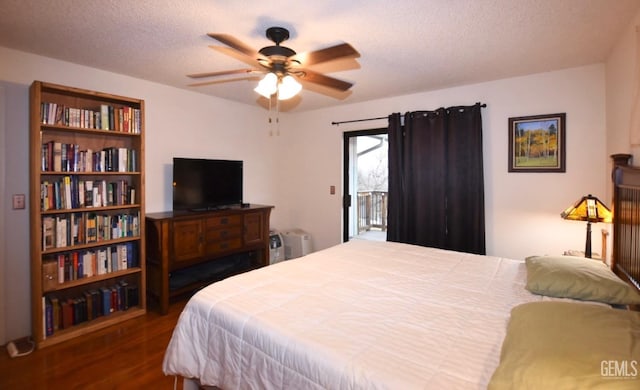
372 210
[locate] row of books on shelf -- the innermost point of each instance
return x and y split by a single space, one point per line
72 192
63 157
65 230
65 267
63 313
105 117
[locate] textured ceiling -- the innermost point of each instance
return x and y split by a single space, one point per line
406 46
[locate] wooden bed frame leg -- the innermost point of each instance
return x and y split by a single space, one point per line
605 237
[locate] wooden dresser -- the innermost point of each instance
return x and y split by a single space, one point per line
188 250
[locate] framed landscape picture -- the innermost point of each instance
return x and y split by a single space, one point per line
537 143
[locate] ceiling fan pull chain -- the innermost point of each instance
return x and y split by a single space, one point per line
270 119
277 113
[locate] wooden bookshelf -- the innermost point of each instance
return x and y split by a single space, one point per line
87 220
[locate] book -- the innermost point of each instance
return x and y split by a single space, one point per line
77 272
132 295
66 307
105 294
61 273
47 156
115 305
68 267
122 256
89 305
91 228
104 117
88 194
48 239
76 228
80 309
96 305
109 261
61 231
103 266
132 160
66 185
114 259
48 320
56 312
132 260
57 157
132 195
124 294
88 261
123 163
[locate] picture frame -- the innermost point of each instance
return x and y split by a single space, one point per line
537 143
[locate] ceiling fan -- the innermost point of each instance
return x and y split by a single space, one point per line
282 65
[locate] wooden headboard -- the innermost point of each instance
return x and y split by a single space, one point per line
625 261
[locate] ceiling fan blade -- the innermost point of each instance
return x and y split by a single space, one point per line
318 78
221 73
235 44
328 54
212 82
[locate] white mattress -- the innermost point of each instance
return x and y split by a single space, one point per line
360 315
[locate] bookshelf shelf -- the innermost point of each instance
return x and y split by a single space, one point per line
80 130
87 220
88 327
68 248
50 173
92 279
90 209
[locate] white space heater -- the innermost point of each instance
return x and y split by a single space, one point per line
297 243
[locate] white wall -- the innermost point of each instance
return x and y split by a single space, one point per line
623 71
522 209
178 123
15 277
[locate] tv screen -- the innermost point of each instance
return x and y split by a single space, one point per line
201 184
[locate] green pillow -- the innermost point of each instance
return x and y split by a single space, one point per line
577 278
569 345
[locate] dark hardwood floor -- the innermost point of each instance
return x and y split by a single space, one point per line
124 356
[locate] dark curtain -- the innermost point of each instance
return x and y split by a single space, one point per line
436 184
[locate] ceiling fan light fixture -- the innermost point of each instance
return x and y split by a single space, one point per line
288 88
268 85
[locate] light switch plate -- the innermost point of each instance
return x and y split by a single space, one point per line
18 201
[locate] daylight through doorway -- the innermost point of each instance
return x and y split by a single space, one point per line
365 185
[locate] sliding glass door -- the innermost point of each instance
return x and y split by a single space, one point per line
365 184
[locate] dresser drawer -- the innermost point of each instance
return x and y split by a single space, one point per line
221 234
223 221
214 247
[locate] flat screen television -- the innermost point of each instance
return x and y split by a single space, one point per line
203 184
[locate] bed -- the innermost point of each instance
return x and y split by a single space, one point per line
383 315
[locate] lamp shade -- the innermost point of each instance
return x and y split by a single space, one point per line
268 85
590 209
288 88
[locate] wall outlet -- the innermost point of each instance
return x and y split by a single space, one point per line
18 201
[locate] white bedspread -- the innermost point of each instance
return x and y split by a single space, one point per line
360 315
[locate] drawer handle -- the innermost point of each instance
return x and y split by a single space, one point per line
224 221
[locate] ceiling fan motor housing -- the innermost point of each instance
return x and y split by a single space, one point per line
277 34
